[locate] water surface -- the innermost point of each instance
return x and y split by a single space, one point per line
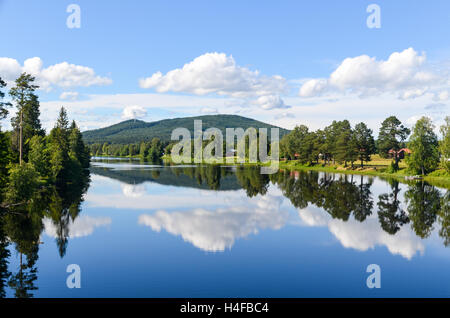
146 230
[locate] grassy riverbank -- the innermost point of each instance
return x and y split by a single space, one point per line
437 178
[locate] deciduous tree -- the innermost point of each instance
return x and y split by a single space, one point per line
424 146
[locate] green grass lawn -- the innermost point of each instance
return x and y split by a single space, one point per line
377 161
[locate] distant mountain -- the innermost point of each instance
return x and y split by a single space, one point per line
132 131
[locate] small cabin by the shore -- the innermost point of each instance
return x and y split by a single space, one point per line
401 153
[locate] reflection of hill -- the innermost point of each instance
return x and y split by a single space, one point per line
208 177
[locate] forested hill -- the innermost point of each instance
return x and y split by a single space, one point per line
132 131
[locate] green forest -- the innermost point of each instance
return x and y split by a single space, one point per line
41 176
31 160
339 143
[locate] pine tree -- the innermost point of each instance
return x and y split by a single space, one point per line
62 121
77 148
26 102
365 144
4 144
3 105
59 146
392 134
345 148
38 156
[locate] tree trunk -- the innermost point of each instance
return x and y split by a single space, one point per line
397 159
20 137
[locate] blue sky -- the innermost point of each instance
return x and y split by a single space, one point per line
287 42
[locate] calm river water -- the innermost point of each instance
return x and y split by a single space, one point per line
144 230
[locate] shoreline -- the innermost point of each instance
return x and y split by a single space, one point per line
438 181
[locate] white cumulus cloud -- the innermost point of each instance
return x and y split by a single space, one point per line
134 112
133 191
271 102
216 230
403 74
82 226
366 235
63 75
219 74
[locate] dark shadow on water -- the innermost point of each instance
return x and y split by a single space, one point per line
21 227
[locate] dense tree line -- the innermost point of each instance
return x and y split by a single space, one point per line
30 159
151 151
340 143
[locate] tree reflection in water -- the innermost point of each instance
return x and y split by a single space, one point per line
390 213
21 226
424 203
342 196
444 219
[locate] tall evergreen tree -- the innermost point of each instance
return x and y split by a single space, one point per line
27 119
3 105
345 148
59 146
365 144
294 143
38 156
392 134
4 143
77 148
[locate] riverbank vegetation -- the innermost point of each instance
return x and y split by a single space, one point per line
31 160
339 147
42 179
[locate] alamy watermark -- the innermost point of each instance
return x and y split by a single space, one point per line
246 146
374 19
74 279
74 19
374 279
